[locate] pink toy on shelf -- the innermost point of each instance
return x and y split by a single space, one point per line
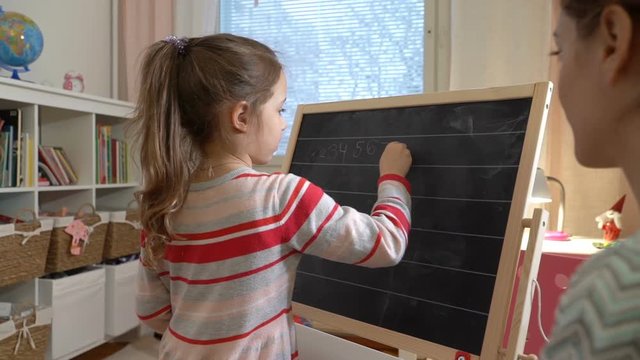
73 81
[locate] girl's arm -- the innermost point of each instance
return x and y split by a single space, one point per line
317 225
153 302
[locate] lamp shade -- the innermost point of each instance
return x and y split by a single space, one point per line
540 193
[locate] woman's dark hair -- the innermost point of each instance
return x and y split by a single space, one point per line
587 12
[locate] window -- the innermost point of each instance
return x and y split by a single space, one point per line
336 49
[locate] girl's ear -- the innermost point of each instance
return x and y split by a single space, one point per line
240 117
616 28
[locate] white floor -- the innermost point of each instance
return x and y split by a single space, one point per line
144 348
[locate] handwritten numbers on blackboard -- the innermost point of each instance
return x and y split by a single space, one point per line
371 148
359 146
345 151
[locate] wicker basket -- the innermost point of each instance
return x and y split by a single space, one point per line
27 338
23 249
123 234
60 257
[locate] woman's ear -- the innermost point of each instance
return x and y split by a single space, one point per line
240 117
616 28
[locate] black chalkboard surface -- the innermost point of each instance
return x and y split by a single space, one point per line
466 159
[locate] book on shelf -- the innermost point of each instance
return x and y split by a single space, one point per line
66 164
104 139
111 157
8 156
11 143
28 160
46 176
113 164
124 161
2 151
16 151
100 154
56 166
58 169
4 154
107 155
43 181
45 158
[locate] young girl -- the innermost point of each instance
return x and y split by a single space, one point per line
599 50
222 241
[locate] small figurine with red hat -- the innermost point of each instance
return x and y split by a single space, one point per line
610 222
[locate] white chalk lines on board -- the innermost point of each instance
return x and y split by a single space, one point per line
449 268
417 196
407 136
414 166
394 293
458 233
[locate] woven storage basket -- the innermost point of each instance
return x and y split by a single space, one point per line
38 329
123 234
60 257
23 249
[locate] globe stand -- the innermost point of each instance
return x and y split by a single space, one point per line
15 71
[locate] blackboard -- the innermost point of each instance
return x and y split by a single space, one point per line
466 158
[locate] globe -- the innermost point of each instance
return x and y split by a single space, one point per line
21 42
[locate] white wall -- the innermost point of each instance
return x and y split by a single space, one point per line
499 42
77 36
196 17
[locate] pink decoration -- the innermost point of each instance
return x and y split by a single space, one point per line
80 232
73 81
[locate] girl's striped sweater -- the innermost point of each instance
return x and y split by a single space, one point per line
224 287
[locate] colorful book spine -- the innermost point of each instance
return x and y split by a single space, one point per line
12 120
66 165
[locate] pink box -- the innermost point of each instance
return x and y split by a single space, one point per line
554 275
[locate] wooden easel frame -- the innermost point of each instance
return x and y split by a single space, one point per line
492 348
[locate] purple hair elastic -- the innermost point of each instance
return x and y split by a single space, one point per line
179 43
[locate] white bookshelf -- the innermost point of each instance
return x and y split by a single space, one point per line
56 117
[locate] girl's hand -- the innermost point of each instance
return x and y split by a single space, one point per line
396 159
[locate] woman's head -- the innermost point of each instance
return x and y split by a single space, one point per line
185 87
599 51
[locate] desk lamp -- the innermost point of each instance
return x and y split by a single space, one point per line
541 194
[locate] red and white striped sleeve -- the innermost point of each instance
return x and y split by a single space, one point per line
317 225
153 301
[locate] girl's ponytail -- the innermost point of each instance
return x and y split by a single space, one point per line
165 149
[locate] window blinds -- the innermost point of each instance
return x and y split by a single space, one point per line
336 49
